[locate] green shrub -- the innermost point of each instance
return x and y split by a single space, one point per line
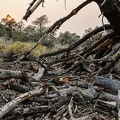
19 48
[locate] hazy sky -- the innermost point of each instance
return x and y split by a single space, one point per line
55 9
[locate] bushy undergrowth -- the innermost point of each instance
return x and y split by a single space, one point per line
18 48
8 49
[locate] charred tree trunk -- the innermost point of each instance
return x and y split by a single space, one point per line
111 10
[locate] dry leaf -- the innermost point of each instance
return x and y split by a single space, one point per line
64 80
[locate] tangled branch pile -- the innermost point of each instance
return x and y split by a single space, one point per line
66 84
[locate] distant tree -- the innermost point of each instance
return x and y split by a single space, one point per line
31 32
40 24
8 22
67 38
2 30
17 33
19 26
92 39
50 41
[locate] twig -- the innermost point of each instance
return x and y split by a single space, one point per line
118 106
70 110
103 3
65 5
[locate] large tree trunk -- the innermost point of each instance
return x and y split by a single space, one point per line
111 10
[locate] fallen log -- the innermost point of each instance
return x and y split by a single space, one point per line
112 84
7 74
107 96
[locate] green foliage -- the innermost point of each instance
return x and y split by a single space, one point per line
39 26
41 22
34 32
24 37
68 38
19 48
2 46
2 29
31 32
49 42
92 39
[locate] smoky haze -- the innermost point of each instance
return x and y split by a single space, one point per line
84 19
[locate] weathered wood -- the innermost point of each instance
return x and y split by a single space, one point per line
13 85
108 97
39 74
60 99
112 84
107 105
7 74
54 27
118 104
32 8
109 68
12 104
111 10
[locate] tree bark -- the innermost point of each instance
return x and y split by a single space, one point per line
111 10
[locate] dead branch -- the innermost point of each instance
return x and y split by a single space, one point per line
108 97
65 90
12 104
97 30
109 68
97 43
32 8
39 74
13 85
62 101
113 85
108 57
7 74
55 26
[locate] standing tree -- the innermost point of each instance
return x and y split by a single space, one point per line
40 25
9 22
68 38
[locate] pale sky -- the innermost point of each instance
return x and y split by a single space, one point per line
55 9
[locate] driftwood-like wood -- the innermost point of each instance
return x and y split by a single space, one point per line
32 8
7 74
9 106
112 84
118 104
109 68
76 44
13 85
39 74
108 97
